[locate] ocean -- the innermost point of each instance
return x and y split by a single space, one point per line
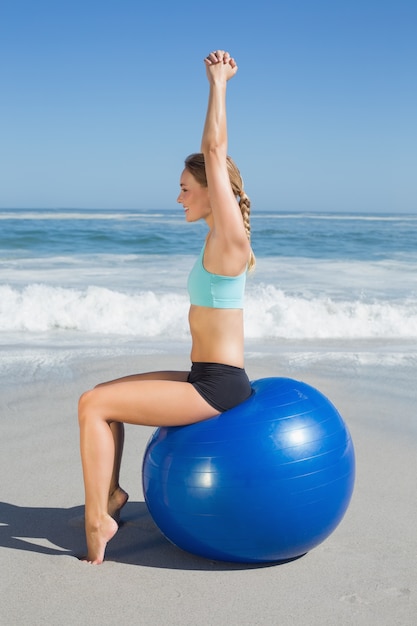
86 283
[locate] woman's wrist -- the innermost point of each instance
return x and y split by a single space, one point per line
218 83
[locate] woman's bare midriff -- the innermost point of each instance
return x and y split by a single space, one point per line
217 335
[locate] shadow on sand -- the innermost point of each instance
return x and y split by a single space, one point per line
60 532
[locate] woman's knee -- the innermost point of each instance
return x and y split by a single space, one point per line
86 404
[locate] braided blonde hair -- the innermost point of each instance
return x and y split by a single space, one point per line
196 166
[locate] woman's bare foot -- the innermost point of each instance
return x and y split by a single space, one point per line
117 499
98 535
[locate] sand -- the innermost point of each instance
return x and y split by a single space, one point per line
365 573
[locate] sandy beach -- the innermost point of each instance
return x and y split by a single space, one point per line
365 573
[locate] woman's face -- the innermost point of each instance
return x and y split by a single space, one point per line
194 198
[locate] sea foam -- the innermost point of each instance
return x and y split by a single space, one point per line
270 312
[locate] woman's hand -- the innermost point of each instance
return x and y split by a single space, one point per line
220 65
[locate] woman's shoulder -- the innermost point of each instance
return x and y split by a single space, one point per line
226 253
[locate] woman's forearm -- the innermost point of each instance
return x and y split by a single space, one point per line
215 127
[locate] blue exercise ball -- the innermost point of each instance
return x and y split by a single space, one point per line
263 482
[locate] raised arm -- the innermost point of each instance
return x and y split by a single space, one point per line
228 230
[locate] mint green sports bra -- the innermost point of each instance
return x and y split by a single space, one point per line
213 290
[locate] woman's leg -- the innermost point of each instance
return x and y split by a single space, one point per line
167 400
118 496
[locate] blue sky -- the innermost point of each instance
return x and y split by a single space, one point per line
102 100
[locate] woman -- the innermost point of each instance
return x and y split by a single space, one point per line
209 186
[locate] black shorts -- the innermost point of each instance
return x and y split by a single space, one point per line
222 386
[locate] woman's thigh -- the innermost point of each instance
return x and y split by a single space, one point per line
154 399
174 375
